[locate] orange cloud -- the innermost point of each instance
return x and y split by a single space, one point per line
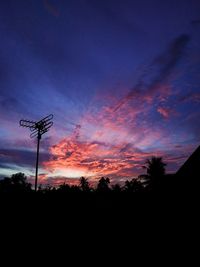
111 142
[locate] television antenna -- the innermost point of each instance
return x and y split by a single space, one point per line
37 130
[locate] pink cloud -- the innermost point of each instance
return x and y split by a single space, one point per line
112 141
165 112
114 154
93 159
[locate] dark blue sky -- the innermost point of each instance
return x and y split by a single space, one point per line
127 71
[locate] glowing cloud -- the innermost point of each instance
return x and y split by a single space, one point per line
164 112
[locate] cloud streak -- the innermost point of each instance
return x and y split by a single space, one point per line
190 97
20 157
157 73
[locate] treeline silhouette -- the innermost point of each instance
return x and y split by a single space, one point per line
155 180
141 198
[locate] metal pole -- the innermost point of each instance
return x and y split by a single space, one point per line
37 159
37 129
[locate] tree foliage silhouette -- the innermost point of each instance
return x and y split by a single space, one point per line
133 186
103 185
116 188
156 171
84 185
64 188
153 180
16 183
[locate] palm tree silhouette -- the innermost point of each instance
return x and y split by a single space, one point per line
155 172
84 184
103 185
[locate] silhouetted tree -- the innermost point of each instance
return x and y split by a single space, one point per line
134 185
75 189
128 186
16 183
49 189
84 184
116 188
156 171
137 185
64 188
103 185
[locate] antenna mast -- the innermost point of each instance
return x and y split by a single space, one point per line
37 130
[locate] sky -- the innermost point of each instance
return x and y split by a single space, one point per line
121 77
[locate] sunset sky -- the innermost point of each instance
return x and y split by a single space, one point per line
121 77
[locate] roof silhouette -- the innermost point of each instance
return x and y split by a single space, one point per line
191 168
